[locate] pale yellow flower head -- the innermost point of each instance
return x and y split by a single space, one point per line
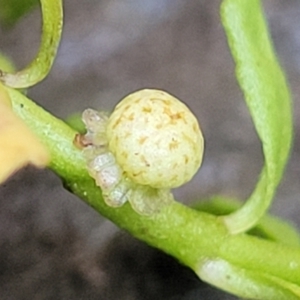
155 139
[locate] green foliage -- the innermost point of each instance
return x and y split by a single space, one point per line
268 99
38 69
246 252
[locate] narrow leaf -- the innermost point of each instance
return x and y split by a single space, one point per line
39 68
267 97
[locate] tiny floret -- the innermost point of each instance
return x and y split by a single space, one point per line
150 144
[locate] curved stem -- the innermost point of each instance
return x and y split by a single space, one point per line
38 69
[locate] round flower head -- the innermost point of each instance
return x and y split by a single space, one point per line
149 144
155 138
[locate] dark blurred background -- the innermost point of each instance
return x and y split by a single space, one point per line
52 245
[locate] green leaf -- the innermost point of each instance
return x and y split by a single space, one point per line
12 10
267 97
38 69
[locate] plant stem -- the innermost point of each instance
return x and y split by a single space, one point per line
190 236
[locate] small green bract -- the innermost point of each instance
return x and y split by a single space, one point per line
149 144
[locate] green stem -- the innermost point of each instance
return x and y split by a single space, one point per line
190 236
38 69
